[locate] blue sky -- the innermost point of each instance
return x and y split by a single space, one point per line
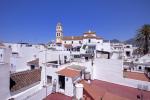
35 20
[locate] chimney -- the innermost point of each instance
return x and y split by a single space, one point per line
79 91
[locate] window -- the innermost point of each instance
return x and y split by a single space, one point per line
140 67
128 54
49 79
79 42
72 42
32 67
89 40
1 55
58 34
66 79
9 46
65 41
127 46
65 57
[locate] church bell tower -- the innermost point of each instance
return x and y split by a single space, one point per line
59 33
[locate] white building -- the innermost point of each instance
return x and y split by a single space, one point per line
57 75
87 44
23 53
128 51
5 72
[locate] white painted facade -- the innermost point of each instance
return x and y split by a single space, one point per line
49 69
128 51
21 54
4 84
4 72
112 71
144 59
104 46
59 33
79 91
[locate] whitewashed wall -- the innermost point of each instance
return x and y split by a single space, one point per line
47 56
5 52
70 41
5 78
104 47
112 71
50 55
34 93
25 54
69 86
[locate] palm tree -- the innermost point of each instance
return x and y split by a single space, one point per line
143 38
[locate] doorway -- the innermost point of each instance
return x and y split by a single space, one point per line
62 82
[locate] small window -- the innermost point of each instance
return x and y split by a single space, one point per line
79 42
32 67
49 79
89 40
66 79
57 34
140 67
9 46
65 57
65 41
72 42
1 55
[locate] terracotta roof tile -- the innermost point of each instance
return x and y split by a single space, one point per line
120 90
69 72
90 33
23 79
68 45
110 96
73 38
93 91
57 96
92 37
2 45
136 76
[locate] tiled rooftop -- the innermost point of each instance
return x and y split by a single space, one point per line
136 76
68 72
57 96
23 79
92 91
110 96
90 32
68 45
2 45
120 90
92 37
73 38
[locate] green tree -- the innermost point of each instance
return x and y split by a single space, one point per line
143 38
